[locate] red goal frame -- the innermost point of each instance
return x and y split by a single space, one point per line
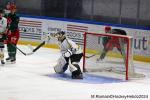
112 35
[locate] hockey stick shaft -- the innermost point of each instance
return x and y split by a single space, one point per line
39 46
18 49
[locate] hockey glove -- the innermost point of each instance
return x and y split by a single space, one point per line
5 42
67 54
14 40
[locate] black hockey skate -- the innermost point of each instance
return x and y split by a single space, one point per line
77 75
2 62
8 59
13 60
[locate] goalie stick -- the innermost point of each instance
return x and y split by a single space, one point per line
48 37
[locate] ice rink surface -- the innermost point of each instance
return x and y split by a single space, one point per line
33 78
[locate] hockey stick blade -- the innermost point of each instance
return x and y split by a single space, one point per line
29 53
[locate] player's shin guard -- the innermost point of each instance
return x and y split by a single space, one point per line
103 54
2 56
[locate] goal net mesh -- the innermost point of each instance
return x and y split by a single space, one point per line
109 53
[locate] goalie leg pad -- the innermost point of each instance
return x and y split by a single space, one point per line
61 65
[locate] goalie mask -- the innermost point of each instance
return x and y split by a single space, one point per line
60 36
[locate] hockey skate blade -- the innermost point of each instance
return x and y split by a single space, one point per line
9 62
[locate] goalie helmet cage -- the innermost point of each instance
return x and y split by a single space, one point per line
93 47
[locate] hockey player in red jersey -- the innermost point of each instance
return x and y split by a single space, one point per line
12 34
110 42
71 56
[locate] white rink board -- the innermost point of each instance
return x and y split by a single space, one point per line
75 31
